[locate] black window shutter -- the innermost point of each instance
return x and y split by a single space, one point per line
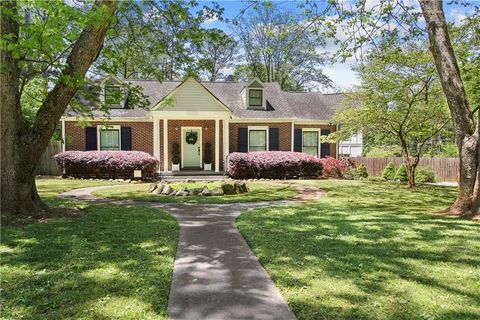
126 138
297 140
90 138
325 147
273 139
242 139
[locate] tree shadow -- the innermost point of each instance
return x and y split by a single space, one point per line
115 262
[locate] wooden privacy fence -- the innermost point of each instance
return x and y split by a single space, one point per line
445 169
47 165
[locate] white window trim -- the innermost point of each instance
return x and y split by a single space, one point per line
263 106
109 127
255 128
103 95
319 135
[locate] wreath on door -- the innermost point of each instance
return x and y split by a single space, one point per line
191 137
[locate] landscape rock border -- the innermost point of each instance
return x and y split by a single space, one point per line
227 188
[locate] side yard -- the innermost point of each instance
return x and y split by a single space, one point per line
108 262
370 250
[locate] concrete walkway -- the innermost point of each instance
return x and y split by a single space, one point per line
215 274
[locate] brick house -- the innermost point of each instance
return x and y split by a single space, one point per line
230 116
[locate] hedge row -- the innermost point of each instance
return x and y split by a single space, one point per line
107 164
273 165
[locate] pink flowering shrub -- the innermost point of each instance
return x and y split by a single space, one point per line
334 168
273 165
107 164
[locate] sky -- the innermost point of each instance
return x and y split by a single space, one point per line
340 73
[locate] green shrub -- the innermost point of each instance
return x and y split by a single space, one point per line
362 172
175 153
424 175
389 172
401 174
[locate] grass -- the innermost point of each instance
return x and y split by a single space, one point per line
370 250
258 192
111 262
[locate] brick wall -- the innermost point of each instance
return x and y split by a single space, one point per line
208 135
332 128
142 135
284 128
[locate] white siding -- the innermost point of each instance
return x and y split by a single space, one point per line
351 147
192 96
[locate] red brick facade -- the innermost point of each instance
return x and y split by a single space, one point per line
332 128
142 135
284 128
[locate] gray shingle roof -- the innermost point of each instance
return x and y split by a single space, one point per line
296 105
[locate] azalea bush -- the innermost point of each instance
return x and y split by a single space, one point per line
273 165
334 168
107 164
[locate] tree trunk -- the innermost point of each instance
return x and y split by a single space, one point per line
467 134
22 146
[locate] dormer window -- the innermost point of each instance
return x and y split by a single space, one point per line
113 96
255 98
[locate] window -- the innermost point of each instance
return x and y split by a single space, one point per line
113 96
255 98
110 139
257 140
310 143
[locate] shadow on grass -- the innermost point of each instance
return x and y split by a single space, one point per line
114 262
370 251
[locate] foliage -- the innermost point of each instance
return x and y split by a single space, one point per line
107 163
362 172
259 191
175 153
401 174
333 168
273 164
424 175
113 261
369 250
279 46
384 151
217 51
207 153
156 40
389 171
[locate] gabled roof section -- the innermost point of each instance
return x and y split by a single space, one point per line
255 83
193 94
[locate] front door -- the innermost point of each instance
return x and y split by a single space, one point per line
191 147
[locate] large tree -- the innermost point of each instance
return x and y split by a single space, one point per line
400 98
365 23
279 47
58 43
217 51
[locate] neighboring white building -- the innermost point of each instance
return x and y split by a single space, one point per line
352 147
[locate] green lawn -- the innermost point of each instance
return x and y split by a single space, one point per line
111 262
258 192
370 250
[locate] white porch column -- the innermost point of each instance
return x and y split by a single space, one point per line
217 145
226 143
165 145
156 140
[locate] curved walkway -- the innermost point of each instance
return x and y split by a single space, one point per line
215 274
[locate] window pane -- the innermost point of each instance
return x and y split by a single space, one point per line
257 140
313 151
310 143
255 97
112 95
109 139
